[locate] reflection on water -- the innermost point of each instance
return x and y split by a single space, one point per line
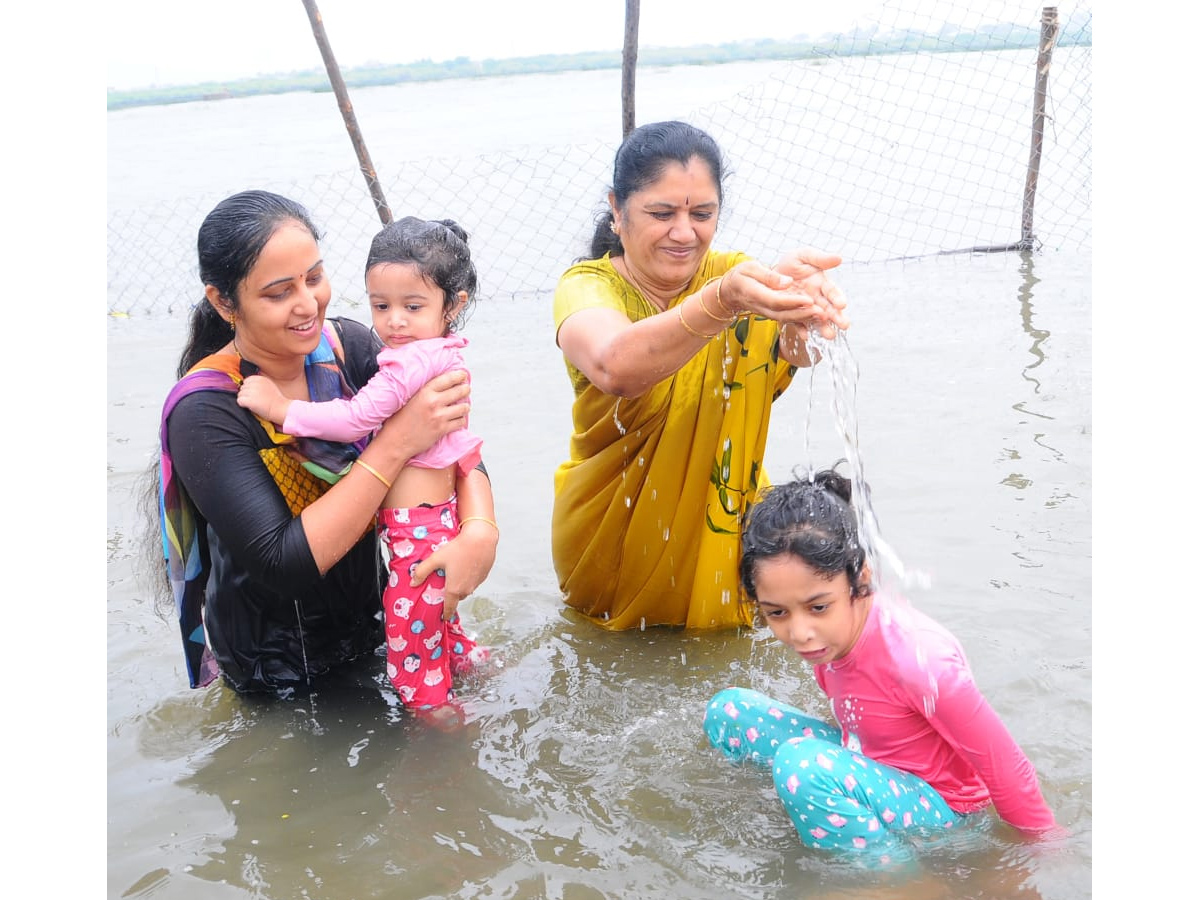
1025 293
582 772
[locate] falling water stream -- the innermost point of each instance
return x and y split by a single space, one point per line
891 593
842 367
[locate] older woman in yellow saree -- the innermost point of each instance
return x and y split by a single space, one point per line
675 353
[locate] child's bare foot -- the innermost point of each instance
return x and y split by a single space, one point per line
448 716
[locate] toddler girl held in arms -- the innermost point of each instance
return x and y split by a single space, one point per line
419 279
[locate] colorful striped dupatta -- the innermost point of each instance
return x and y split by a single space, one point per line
182 532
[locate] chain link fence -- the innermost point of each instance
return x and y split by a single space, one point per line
904 140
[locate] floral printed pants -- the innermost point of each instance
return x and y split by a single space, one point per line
423 652
836 798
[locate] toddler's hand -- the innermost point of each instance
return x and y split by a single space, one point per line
260 395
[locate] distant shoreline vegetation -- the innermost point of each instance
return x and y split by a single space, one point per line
868 42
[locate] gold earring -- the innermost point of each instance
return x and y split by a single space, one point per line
232 321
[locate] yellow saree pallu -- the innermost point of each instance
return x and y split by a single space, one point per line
645 527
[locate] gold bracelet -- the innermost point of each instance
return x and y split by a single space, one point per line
387 484
734 314
462 522
689 328
728 320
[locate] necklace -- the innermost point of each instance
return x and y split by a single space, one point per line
646 295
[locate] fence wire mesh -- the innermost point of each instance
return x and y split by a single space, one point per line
902 139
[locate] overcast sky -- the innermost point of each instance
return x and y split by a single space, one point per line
160 42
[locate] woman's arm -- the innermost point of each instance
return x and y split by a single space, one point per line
334 523
401 373
627 358
216 457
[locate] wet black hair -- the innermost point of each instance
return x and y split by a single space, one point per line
438 248
229 242
640 161
809 518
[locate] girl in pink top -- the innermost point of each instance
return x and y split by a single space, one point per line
420 280
917 746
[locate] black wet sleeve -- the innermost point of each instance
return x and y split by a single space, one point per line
214 449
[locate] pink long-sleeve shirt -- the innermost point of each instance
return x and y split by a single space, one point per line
402 372
905 696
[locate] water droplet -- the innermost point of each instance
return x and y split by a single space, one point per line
616 418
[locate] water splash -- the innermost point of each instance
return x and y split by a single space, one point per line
843 368
895 610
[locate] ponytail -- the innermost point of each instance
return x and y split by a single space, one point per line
207 333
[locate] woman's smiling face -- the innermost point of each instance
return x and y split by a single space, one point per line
282 299
667 227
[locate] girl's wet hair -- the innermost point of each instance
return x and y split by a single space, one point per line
230 240
811 519
438 249
640 161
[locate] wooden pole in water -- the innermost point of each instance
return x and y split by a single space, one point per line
1045 45
1045 48
629 66
339 88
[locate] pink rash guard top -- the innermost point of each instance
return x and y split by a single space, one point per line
403 371
905 696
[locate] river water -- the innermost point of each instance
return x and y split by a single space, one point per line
583 771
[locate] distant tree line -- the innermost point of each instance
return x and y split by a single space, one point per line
860 42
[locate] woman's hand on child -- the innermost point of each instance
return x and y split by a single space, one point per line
436 410
466 560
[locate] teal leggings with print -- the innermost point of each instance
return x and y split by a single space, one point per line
836 798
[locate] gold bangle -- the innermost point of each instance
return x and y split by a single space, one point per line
387 484
462 522
727 320
721 281
689 328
